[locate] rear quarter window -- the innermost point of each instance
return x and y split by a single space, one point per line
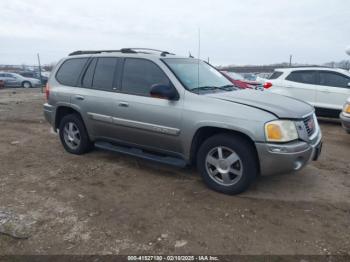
275 75
69 72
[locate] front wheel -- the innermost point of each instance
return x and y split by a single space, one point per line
26 84
227 163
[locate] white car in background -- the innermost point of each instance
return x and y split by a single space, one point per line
262 77
325 88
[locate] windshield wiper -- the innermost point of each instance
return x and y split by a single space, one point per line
204 88
211 88
227 87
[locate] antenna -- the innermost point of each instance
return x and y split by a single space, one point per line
199 55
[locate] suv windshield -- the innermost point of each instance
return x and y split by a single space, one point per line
196 75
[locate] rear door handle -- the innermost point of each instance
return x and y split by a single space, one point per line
124 104
78 97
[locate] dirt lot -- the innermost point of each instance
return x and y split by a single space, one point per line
105 203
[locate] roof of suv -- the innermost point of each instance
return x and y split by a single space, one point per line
127 52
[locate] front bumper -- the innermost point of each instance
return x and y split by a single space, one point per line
345 121
286 158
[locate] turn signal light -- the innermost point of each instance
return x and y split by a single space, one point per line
346 109
267 85
273 132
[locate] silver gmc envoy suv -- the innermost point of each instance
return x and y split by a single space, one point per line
179 111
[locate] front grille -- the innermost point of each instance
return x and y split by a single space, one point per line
310 125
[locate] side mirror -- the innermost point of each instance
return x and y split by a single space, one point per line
164 91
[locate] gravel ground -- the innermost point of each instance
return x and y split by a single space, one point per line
105 203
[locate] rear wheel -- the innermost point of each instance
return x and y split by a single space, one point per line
73 135
227 163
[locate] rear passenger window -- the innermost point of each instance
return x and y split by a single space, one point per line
305 77
333 79
89 74
275 75
140 75
104 73
69 72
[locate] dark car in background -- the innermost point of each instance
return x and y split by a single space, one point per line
239 81
33 74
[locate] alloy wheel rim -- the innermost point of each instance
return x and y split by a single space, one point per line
224 166
71 135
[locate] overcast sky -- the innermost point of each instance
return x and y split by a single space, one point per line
232 31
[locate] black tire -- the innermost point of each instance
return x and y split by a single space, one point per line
26 84
85 144
247 161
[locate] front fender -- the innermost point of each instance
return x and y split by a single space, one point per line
251 129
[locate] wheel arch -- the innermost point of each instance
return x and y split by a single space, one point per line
205 132
26 81
62 111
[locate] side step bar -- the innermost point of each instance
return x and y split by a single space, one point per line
173 161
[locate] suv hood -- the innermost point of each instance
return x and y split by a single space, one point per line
280 106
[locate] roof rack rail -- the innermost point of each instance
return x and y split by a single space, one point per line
162 52
123 50
88 52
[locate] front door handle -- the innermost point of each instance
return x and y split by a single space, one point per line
124 104
78 97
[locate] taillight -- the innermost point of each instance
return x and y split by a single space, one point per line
47 91
267 85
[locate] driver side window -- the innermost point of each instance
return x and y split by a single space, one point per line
333 79
139 75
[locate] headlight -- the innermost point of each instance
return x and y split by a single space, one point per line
280 131
346 109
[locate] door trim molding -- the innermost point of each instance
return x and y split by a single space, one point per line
135 124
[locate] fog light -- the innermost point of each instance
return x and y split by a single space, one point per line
298 164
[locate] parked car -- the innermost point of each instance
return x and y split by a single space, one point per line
262 77
36 75
249 76
239 81
180 111
324 88
16 80
345 116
